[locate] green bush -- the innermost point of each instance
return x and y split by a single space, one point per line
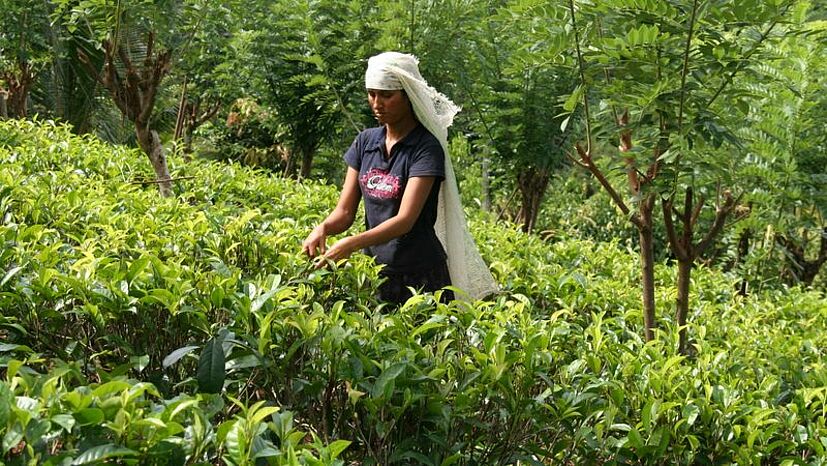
191 330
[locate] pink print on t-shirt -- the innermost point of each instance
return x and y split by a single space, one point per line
381 184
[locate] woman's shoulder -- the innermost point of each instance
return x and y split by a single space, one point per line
426 139
371 134
369 138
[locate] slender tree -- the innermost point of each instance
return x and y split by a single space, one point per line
664 82
306 63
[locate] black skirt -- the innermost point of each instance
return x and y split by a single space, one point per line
395 287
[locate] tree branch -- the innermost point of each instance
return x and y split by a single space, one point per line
575 161
179 119
687 216
696 213
674 243
822 250
162 181
581 68
208 114
745 59
586 159
685 70
721 214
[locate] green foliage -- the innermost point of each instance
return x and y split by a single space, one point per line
111 296
24 36
786 144
249 137
304 62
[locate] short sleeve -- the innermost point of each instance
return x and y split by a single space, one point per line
428 160
353 156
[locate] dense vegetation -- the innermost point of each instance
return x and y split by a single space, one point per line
646 179
190 330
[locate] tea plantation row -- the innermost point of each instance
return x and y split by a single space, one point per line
142 330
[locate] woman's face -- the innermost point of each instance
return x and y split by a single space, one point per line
389 107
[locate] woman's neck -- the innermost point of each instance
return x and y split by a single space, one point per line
397 131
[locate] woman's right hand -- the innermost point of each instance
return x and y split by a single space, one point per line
316 242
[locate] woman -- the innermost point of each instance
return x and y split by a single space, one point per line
398 169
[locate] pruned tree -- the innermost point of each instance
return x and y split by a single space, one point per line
135 41
133 88
686 248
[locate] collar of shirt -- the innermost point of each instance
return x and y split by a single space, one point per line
410 139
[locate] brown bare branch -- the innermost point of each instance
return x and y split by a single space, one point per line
589 163
575 161
674 242
179 119
721 214
696 213
159 69
209 113
686 216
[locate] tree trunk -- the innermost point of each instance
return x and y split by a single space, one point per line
532 183
307 163
4 112
188 144
151 145
806 269
811 268
682 302
743 251
647 264
642 220
19 85
486 184
687 251
289 164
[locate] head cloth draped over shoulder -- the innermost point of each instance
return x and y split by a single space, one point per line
394 71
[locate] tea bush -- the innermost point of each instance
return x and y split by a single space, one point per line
142 330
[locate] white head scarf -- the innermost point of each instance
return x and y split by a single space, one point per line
394 71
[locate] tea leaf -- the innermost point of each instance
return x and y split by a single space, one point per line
103 452
211 370
176 355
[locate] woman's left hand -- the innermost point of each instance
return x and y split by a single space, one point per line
342 249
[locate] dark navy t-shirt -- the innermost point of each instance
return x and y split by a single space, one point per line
382 180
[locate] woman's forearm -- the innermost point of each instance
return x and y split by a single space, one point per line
413 200
382 233
337 222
